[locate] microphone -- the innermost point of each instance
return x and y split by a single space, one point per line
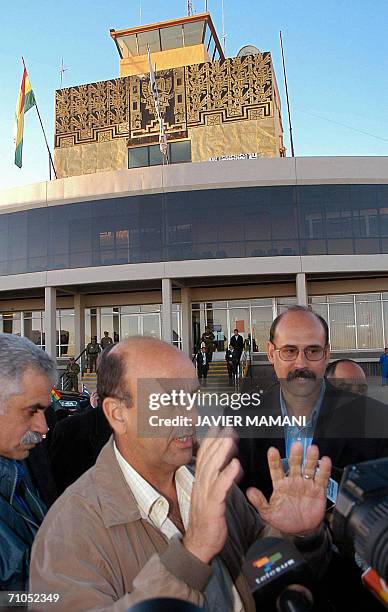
376 585
164 604
295 598
275 569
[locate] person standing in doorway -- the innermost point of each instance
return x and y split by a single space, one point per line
93 349
208 338
202 359
72 371
237 341
106 340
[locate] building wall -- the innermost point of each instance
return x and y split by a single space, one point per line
172 58
226 107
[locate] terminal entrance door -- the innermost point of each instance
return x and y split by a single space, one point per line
222 318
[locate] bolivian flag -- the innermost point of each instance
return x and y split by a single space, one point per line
55 394
55 397
26 100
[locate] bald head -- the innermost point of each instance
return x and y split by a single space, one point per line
348 375
298 314
139 357
130 373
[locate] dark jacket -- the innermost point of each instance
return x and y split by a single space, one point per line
17 530
237 343
339 433
76 444
199 360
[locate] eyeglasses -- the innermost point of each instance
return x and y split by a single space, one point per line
290 353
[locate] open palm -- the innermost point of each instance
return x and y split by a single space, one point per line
297 504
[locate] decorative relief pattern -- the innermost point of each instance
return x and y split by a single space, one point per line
144 125
203 94
236 87
82 112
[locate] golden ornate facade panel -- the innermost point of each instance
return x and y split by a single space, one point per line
235 91
84 110
143 120
105 136
233 86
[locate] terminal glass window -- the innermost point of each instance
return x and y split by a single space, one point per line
33 327
10 323
355 321
65 333
178 153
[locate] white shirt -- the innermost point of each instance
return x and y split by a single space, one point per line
221 595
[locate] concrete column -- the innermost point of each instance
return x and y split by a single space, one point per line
186 321
167 310
301 290
79 323
50 315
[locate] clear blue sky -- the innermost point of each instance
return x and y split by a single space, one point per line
336 55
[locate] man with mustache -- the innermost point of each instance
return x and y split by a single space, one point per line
139 525
27 375
346 427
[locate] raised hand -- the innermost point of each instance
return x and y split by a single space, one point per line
215 474
298 501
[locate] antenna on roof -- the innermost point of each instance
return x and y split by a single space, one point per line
62 71
189 7
140 15
223 37
206 7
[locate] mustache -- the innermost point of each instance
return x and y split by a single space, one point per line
301 373
31 437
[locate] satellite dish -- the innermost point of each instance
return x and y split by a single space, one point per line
248 50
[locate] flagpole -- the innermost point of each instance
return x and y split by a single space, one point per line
51 163
287 98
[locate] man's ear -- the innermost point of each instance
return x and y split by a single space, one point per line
114 411
327 352
270 351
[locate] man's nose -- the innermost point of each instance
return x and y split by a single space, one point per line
39 423
301 361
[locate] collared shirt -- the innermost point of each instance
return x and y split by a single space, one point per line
305 434
220 593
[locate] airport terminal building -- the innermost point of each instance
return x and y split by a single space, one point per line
229 233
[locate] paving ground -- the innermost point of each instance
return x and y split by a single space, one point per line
376 391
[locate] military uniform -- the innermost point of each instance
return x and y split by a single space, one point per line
208 338
106 341
92 351
72 372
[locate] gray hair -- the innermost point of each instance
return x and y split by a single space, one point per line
16 356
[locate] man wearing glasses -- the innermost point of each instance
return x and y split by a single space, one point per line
339 422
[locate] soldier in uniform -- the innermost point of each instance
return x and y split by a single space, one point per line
72 372
106 340
92 351
208 338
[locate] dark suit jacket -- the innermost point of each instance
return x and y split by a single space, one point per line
38 463
339 434
76 444
237 343
199 360
346 416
